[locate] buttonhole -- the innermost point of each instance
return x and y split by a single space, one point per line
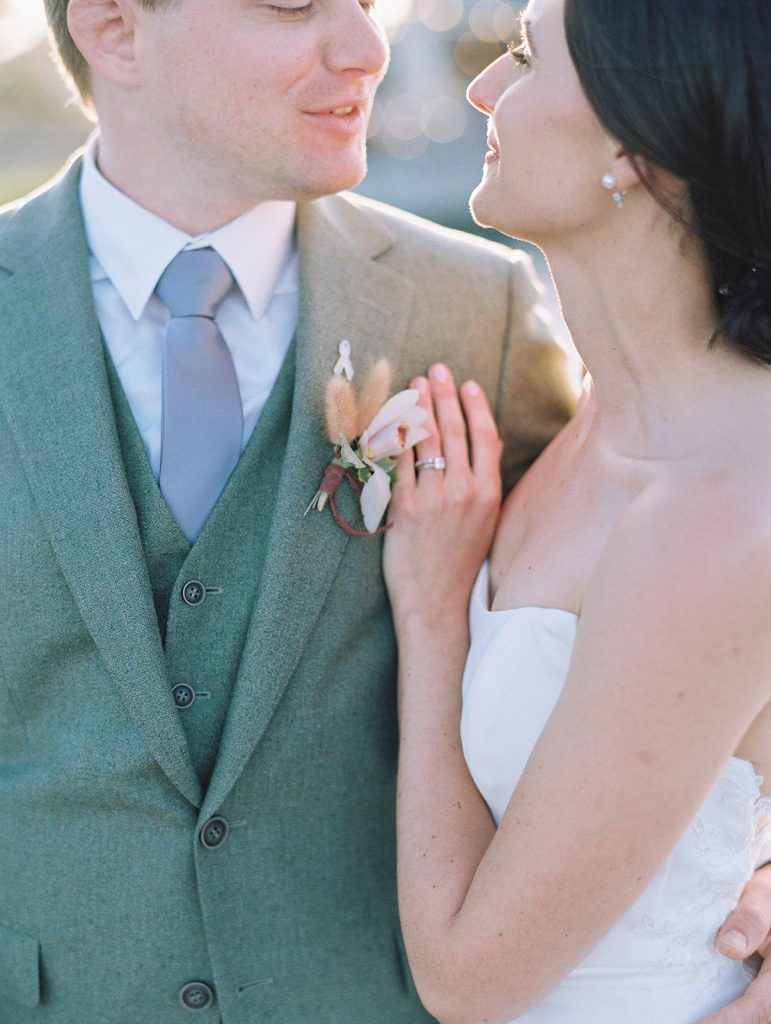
254 984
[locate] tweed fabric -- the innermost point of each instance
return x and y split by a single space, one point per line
164 544
203 644
110 904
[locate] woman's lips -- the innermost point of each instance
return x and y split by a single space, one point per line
493 152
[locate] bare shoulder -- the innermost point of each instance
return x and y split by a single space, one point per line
673 626
693 547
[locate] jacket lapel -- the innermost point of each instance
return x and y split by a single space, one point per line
344 294
63 423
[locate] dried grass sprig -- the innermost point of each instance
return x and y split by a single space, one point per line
374 394
340 409
349 414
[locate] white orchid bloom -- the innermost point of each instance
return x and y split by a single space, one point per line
375 497
395 429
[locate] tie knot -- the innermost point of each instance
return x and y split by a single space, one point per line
194 283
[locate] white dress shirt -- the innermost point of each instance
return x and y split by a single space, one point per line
131 247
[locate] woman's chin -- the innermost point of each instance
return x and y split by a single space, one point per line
482 210
486 213
489 213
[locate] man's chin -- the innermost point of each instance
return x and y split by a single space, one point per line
336 183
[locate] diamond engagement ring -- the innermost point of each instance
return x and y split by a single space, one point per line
437 462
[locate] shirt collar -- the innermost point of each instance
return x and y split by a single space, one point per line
133 246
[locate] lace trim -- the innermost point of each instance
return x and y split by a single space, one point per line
728 856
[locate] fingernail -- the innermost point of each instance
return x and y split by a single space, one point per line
735 941
420 384
440 373
472 388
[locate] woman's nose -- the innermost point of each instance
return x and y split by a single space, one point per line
487 88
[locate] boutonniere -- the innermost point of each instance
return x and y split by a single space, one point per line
369 431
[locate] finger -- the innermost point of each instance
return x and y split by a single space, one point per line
449 416
754 1007
404 487
431 447
747 927
485 444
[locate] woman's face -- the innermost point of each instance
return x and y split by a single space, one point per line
548 153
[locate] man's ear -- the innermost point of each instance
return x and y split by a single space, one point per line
103 31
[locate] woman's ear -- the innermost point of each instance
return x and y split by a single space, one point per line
627 173
103 31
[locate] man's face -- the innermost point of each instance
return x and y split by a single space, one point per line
260 100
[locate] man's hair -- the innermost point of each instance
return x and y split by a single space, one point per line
73 65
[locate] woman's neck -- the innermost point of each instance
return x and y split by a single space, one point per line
642 319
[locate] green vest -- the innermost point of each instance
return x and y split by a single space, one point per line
112 904
204 593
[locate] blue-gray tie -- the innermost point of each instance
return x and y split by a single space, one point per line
202 413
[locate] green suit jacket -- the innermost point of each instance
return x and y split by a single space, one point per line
109 903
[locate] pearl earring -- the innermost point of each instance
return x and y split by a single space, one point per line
609 182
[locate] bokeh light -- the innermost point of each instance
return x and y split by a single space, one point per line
444 119
491 21
439 15
439 45
22 24
396 16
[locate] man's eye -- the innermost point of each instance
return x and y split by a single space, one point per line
290 11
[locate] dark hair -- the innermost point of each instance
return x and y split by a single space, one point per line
686 85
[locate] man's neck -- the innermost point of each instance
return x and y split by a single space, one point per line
196 210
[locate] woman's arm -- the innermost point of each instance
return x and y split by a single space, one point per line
671 664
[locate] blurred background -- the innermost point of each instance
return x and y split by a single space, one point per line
426 143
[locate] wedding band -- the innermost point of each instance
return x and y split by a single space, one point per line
437 462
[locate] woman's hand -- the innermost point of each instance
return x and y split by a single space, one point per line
444 520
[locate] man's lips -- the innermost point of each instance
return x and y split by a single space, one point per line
348 118
492 145
342 108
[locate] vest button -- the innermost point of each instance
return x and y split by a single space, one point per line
194 593
184 696
196 995
214 833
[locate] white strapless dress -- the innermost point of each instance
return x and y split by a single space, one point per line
658 964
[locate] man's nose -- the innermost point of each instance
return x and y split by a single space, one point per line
358 42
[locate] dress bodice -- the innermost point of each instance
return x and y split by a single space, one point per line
658 963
